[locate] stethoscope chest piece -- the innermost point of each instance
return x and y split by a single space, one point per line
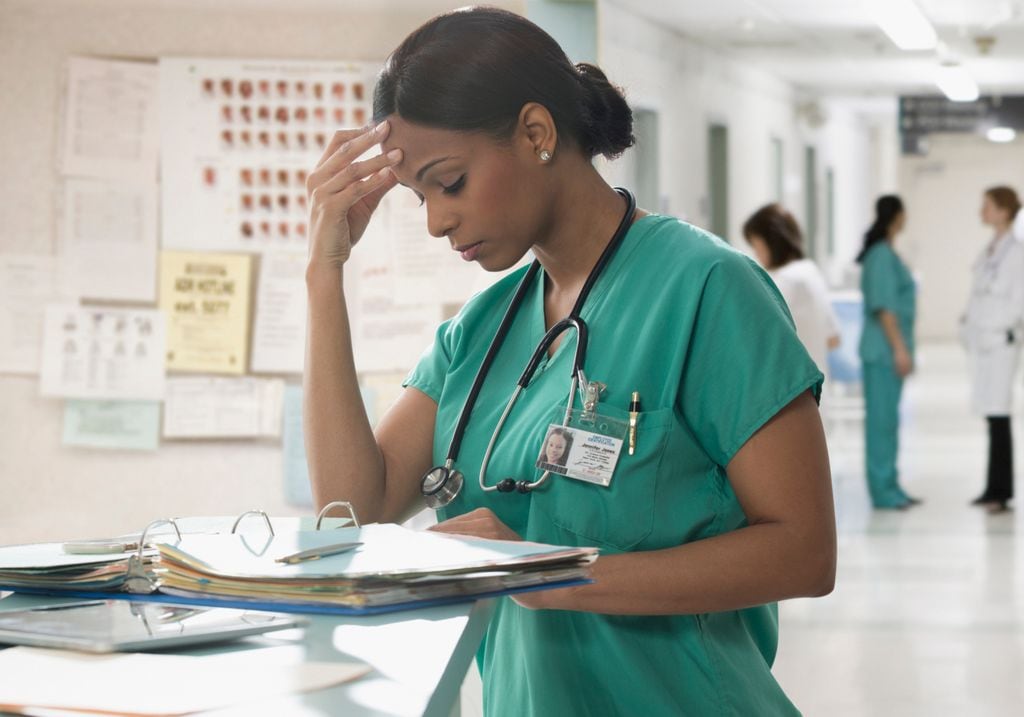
440 486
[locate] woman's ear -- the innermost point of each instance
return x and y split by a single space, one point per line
538 131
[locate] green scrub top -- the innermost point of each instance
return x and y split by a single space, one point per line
704 336
886 283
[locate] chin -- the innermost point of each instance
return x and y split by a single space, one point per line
497 263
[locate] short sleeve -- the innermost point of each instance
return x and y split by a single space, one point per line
430 371
879 281
744 363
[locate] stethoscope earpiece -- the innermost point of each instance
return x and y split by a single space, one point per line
506 485
523 486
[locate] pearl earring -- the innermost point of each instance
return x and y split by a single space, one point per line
545 155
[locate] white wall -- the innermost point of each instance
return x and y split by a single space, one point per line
944 235
691 85
48 491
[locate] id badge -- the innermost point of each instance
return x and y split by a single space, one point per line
587 448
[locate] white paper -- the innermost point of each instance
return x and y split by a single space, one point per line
426 267
207 407
110 120
238 139
386 335
279 336
109 239
159 684
95 352
28 282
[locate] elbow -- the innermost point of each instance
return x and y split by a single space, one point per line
821 577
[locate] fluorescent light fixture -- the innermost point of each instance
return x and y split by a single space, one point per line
904 23
956 82
1001 134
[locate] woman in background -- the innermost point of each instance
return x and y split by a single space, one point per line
991 330
886 349
778 245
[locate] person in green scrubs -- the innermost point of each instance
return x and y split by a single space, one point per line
886 350
724 508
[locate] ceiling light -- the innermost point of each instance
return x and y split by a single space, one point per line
956 82
1001 134
903 22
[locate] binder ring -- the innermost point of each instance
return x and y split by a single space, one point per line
270 526
137 580
337 504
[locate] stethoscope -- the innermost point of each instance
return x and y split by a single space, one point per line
442 484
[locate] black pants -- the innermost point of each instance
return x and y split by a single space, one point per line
1000 459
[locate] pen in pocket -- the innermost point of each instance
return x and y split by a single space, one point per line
634 414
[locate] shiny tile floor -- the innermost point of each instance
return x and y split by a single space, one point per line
927 617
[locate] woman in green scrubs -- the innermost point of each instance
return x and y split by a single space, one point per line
886 350
724 507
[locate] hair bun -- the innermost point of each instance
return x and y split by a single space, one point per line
607 122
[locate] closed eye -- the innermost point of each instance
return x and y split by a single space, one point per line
450 189
455 186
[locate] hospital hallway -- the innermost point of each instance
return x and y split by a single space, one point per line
927 616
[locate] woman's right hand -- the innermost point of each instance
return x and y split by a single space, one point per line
343 193
903 363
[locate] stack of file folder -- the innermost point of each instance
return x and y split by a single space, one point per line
392 568
48 566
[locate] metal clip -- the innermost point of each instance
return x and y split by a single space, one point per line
592 391
137 579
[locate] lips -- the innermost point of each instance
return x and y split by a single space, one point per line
468 252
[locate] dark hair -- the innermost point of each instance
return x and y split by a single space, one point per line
887 208
567 436
780 232
1005 198
475 69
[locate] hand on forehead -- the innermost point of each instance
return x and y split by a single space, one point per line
420 145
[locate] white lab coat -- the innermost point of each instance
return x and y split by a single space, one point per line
803 287
993 326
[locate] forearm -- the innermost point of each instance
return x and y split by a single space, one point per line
891 328
754 565
344 460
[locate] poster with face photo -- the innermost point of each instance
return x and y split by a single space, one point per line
238 138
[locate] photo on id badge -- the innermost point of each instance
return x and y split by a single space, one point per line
576 453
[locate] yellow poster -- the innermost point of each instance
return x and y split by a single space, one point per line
205 298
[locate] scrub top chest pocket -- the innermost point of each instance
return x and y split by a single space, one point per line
618 516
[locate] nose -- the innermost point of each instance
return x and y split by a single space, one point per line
440 222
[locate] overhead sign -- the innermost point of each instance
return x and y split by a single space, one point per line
921 116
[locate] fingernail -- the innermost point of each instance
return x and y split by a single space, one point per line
379 129
394 155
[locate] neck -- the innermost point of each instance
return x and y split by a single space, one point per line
1001 230
584 217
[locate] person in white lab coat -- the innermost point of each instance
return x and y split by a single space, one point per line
992 331
777 242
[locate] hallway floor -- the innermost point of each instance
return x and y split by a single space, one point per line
927 617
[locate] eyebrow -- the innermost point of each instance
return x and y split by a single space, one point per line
427 166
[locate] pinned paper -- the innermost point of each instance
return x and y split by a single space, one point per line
94 352
109 239
206 407
279 340
124 425
205 298
28 282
